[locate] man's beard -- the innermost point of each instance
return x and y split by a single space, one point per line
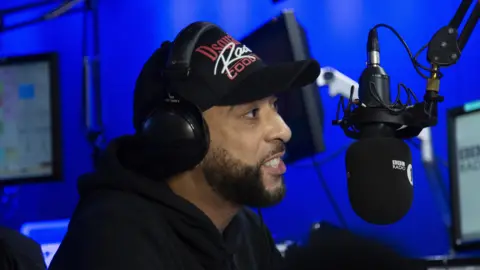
238 182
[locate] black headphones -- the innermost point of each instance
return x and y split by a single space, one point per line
175 135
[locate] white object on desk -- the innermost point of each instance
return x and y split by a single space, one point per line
337 82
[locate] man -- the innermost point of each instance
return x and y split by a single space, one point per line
18 252
127 218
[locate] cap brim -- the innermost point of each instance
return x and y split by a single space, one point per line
272 80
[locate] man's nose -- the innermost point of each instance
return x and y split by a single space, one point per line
279 130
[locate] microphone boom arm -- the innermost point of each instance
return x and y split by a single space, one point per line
446 45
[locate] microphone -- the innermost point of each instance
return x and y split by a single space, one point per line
379 179
379 165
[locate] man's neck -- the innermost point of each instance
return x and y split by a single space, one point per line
195 189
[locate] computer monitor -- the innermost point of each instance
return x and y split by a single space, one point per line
283 39
464 159
30 145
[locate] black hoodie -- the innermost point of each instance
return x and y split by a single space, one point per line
127 221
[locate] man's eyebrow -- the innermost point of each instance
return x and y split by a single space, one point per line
242 106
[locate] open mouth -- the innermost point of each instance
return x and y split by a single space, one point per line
275 165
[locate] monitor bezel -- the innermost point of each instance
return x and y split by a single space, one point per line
457 240
55 115
311 95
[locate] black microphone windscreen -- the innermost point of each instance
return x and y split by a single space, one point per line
379 176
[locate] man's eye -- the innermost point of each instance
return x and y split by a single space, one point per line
252 114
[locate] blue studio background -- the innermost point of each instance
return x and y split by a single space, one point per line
337 31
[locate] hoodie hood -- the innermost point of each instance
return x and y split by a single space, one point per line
189 224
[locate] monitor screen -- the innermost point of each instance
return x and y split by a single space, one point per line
28 123
468 174
464 167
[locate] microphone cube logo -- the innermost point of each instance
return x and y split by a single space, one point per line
402 166
399 165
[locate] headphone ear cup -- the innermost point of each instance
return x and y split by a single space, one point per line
176 136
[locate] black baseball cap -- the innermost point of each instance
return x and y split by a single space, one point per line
223 72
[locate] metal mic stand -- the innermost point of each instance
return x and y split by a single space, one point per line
91 61
91 80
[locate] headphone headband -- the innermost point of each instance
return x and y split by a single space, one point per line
178 65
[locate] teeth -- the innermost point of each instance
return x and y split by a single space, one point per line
273 163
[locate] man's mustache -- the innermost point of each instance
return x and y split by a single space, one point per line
278 148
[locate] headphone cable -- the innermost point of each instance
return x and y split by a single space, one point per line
330 197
